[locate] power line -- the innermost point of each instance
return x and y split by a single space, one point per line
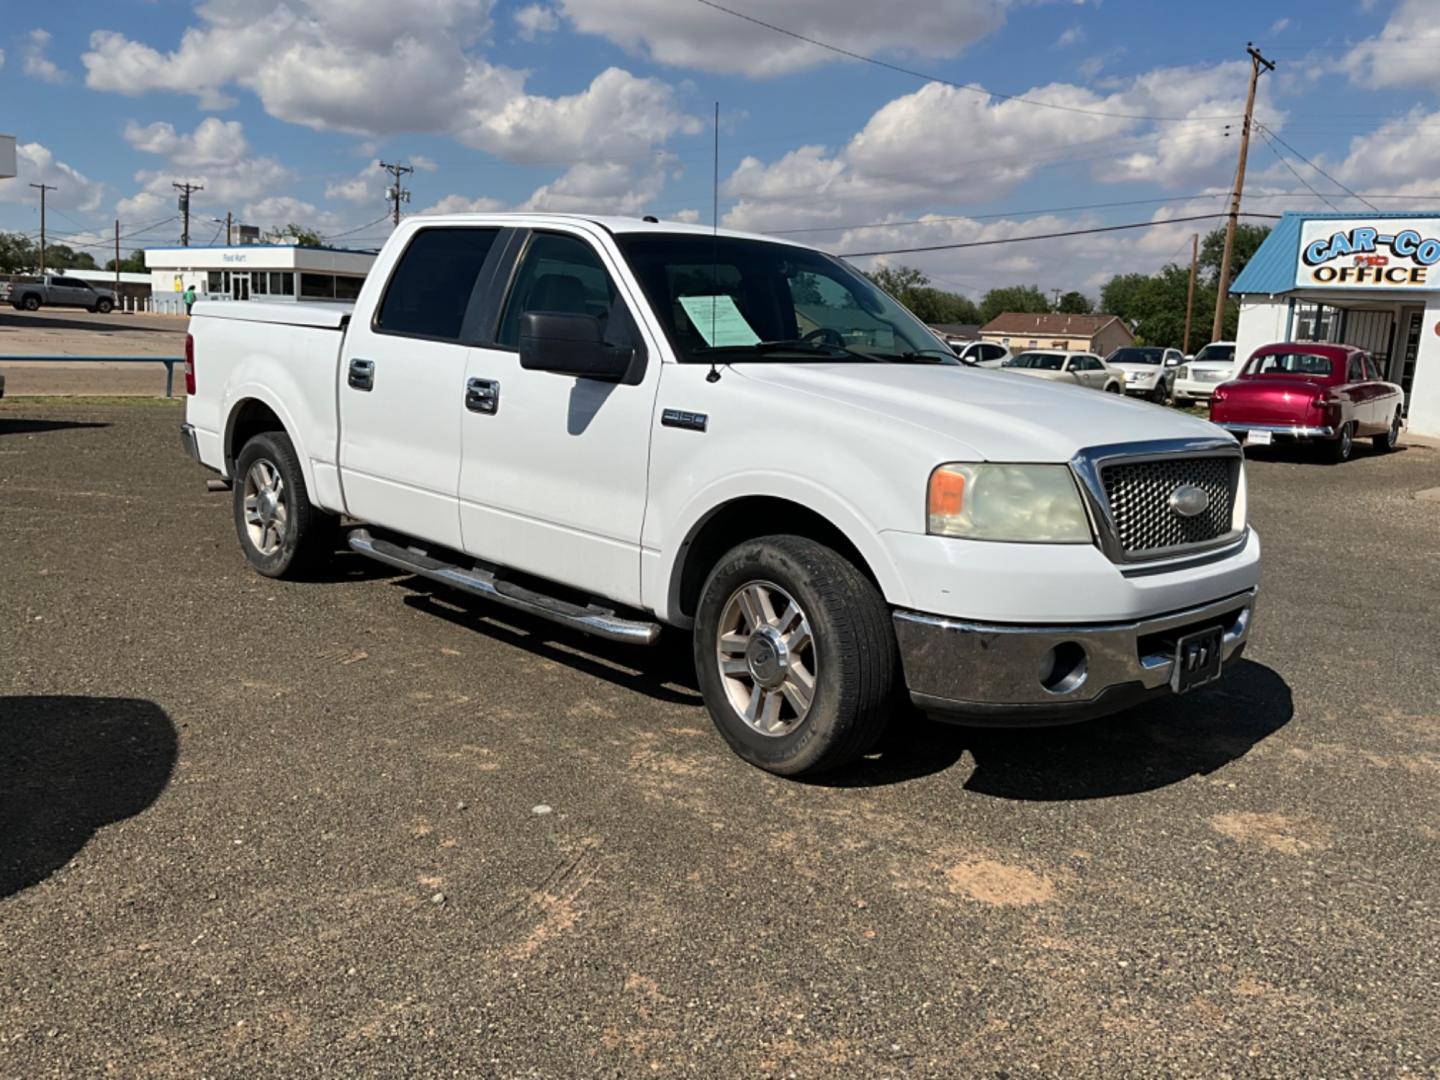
1043 236
1317 168
958 86
1279 157
358 228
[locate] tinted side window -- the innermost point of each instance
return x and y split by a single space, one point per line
431 285
992 352
564 274
1357 370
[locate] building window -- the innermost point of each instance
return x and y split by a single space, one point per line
317 286
258 284
1316 322
347 288
1033 343
212 281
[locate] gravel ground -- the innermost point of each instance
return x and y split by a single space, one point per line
355 827
74 332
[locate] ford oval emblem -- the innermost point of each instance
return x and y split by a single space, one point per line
1189 501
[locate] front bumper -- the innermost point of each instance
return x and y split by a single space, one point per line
997 674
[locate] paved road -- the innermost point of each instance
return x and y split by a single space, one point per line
258 829
73 332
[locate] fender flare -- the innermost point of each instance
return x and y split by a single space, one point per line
236 398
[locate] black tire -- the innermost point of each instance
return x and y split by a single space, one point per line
1113 388
855 658
30 303
1339 449
105 306
302 537
1388 441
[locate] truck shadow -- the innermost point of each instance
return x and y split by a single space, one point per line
17 425
69 766
1149 747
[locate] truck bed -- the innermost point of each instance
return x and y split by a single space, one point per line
303 313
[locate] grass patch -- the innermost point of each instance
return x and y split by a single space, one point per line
60 400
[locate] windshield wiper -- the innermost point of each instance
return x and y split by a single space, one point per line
765 348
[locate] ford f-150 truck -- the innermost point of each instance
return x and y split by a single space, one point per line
621 425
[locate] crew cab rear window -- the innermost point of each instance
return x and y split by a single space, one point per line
431 286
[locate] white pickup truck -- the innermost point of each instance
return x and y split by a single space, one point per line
622 425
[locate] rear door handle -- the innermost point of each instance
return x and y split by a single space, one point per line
362 374
482 396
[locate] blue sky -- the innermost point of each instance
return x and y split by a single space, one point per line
282 107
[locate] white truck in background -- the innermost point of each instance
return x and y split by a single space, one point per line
621 425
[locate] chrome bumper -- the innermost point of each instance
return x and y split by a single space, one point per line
187 440
1293 431
998 674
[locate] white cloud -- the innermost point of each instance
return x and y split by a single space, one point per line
374 67
215 155
683 33
535 19
37 64
1279 26
277 211
1073 36
1401 157
464 204
2 58
609 188
35 164
1404 52
898 162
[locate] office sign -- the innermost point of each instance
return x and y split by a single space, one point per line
1369 253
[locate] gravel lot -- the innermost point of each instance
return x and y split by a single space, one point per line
355 827
75 332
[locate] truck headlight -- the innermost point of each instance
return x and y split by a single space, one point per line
1183 372
1018 503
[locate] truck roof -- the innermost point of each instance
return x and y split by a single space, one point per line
616 225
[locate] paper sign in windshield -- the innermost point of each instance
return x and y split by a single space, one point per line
719 320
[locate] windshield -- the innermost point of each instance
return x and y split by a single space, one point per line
1305 364
1136 356
733 300
1216 352
1039 361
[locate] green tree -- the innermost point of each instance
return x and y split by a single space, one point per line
1248 239
296 234
1024 298
1153 304
134 263
1121 296
912 288
17 253
64 257
1075 303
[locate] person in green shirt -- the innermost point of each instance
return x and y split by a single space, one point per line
189 297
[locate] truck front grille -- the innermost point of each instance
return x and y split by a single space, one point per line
1146 522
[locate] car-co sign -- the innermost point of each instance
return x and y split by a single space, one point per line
1384 253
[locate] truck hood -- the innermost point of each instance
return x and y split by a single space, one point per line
983 415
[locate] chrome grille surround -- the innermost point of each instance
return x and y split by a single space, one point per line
1127 487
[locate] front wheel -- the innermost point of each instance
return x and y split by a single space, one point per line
104 307
1113 388
279 529
1388 441
795 654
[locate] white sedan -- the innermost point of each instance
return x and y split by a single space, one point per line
1082 369
1197 378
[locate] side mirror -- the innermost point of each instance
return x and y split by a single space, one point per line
1171 361
572 344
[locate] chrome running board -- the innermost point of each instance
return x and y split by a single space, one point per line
600 621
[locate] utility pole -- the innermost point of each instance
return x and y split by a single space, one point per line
1190 293
185 189
117 259
43 188
1056 305
395 193
227 228
1258 64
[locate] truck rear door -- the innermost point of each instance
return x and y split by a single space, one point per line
402 384
555 467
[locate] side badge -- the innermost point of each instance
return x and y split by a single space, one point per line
691 421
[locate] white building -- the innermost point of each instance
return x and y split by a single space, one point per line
1372 281
258 272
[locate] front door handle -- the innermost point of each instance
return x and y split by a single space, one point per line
482 396
362 374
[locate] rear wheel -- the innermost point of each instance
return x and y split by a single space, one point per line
279 530
1388 441
796 655
1342 446
31 303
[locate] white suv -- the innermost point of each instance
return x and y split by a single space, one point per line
985 354
1197 378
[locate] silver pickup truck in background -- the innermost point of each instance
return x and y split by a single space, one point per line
56 290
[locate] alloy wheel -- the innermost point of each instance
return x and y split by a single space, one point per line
266 510
767 660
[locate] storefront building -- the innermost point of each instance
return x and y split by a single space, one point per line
1371 280
258 272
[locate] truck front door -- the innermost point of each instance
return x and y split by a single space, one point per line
402 385
555 467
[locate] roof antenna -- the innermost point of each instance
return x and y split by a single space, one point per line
714 375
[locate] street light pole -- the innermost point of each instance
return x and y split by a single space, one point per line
43 188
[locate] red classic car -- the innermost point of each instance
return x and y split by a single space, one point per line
1307 391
